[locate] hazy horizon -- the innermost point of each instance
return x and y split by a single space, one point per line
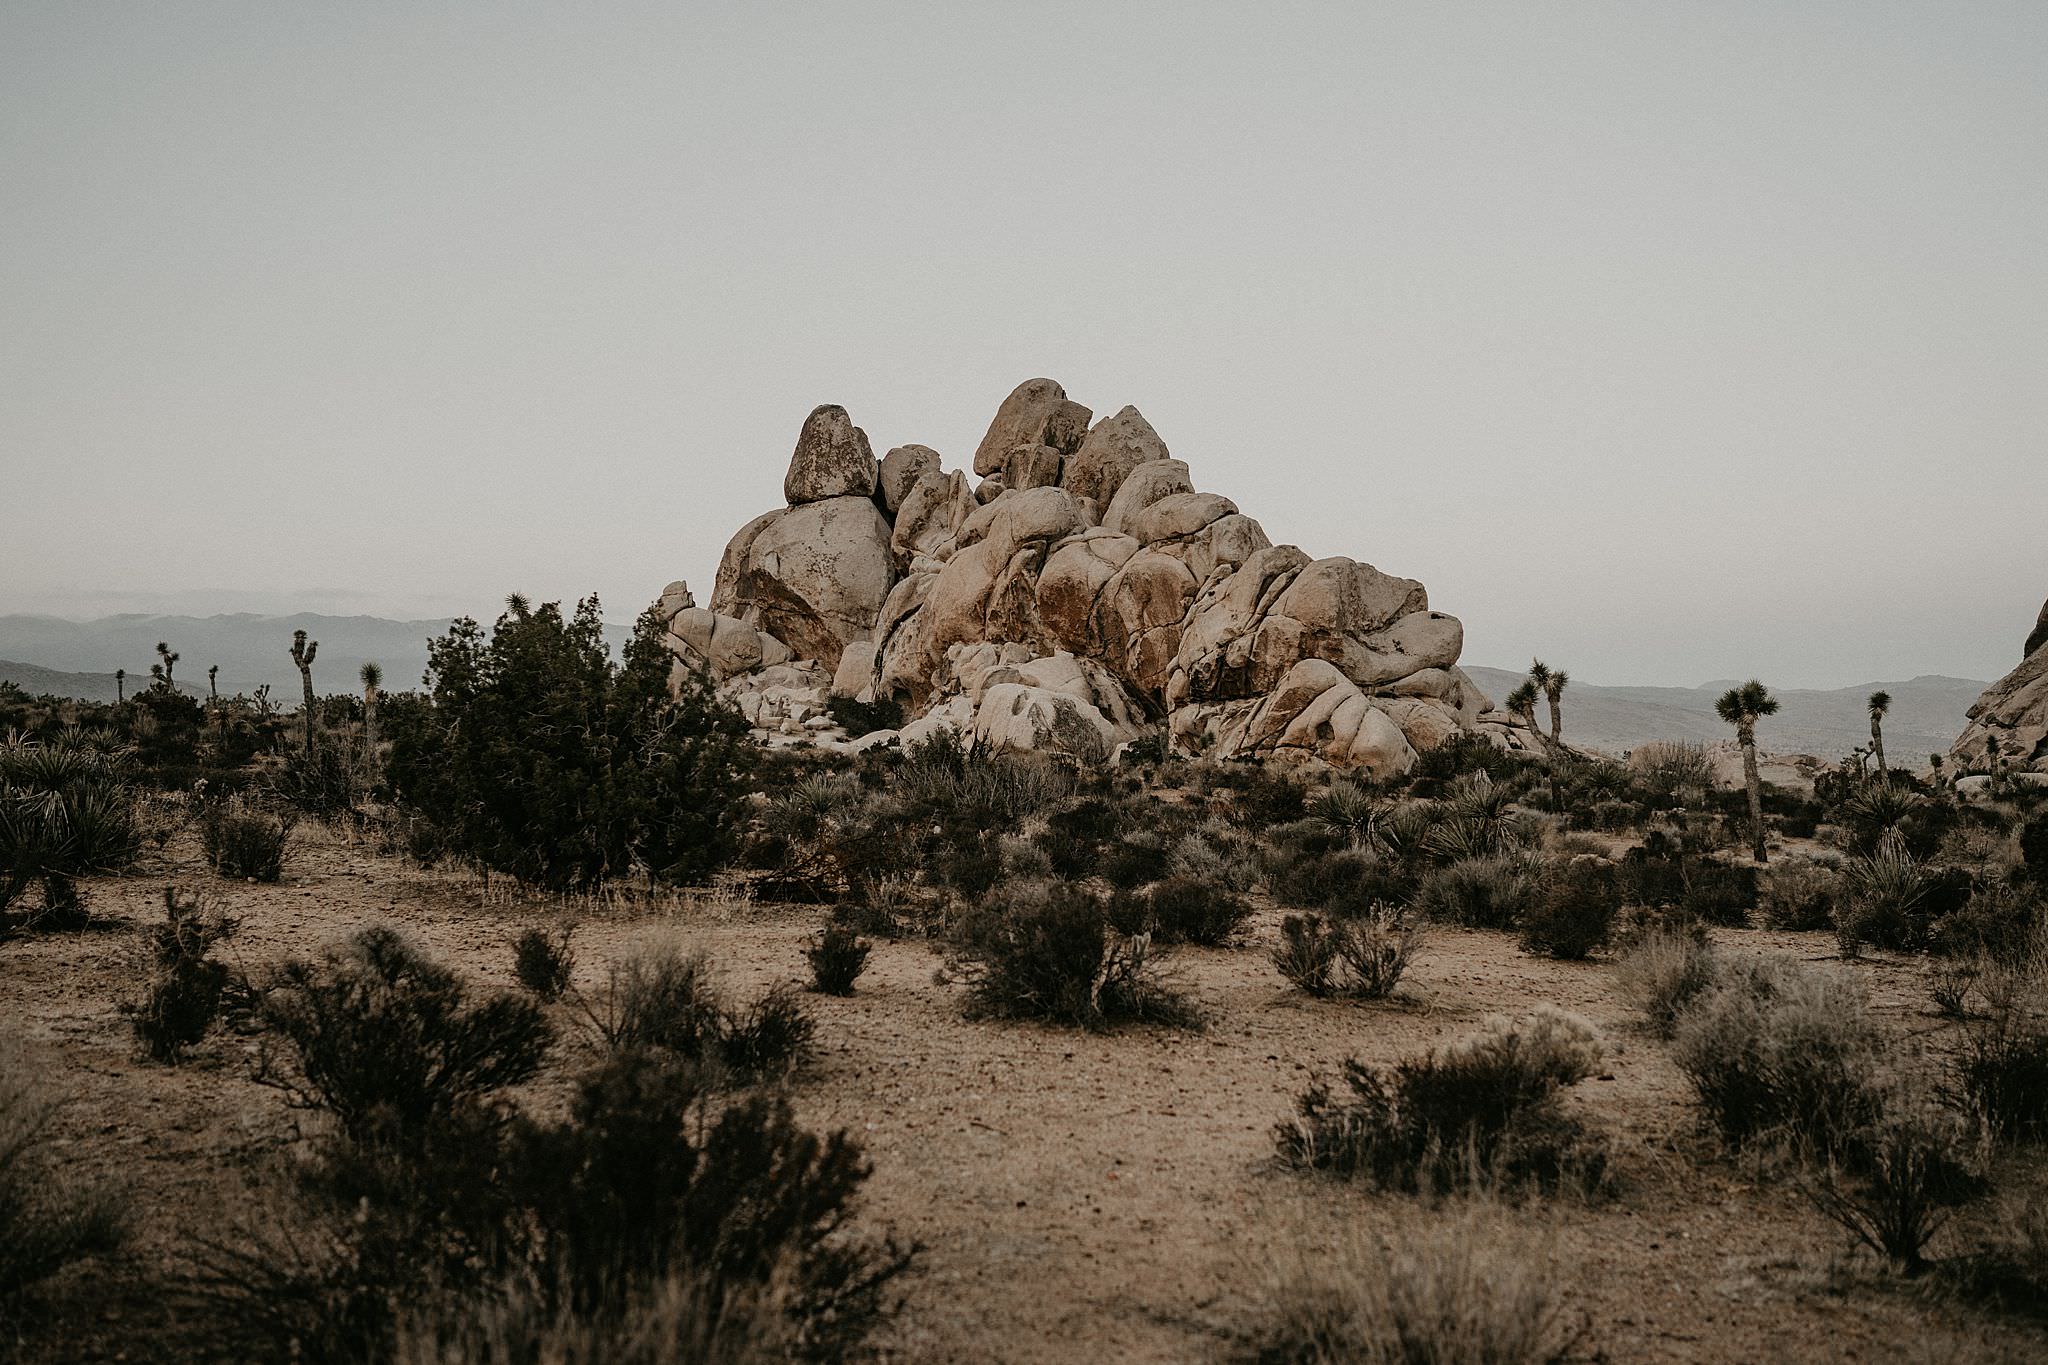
1669 344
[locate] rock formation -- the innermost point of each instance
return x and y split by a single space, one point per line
2013 712
1082 593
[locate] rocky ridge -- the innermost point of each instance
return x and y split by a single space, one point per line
2013 713
1078 593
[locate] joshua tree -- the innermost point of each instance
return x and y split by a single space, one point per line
170 658
1880 702
1522 702
373 679
1552 682
120 686
303 651
213 683
1742 707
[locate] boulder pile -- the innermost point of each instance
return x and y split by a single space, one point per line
1076 593
2012 713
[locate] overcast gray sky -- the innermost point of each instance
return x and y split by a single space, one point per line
1673 341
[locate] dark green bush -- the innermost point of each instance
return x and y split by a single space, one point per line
1572 912
1374 949
837 956
665 1000
535 755
187 986
2034 846
1479 893
1047 950
47 1219
390 1042
1777 1050
244 840
859 718
1185 910
66 810
1483 1111
543 963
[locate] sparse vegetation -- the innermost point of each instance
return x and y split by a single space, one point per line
544 963
244 839
1048 950
1363 956
48 1219
1483 1111
837 956
187 985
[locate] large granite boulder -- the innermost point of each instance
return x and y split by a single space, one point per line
1081 592
832 459
2009 723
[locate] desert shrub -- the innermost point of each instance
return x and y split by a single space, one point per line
2001 1072
1267 794
1572 911
1799 894
1484 1110
682 1317
2001 919
1479 893
544 963
1047 950
1136 859
1877 812
186 985
1184 910
390 1042
1673 773
325 784
1891 899
1777 1049
1458 1290
537 756
972 870
1665 971
859 718
245 840
837 956
1461 756
640 1183
1342 881
1374 950
2008 1268
665 1000
47 1219
946 779
2034 846
1217 853
1910 1168
66 810
1474 822
1667 872
1345 812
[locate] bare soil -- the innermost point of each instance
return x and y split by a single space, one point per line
1079 1196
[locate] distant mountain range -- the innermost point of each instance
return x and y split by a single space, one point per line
251 650
39 682
78 658
1926 715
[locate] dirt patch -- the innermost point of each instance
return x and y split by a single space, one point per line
1080 1196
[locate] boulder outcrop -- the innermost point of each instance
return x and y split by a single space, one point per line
2011 715
1077 591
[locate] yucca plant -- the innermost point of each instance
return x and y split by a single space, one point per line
1886 898
373 683
1344 810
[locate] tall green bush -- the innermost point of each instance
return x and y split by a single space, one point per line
537 756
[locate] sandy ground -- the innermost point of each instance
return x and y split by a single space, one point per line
1080 1197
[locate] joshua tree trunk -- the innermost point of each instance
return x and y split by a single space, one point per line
1745 735
120 686
303 651
1556 721
1884 774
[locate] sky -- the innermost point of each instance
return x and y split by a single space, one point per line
1668 341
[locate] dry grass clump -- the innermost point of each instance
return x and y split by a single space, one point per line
46 1220
1780 1050
1483 1112
1364 956
1664 972
1463 1289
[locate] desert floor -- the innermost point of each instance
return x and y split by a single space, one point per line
1079 1196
